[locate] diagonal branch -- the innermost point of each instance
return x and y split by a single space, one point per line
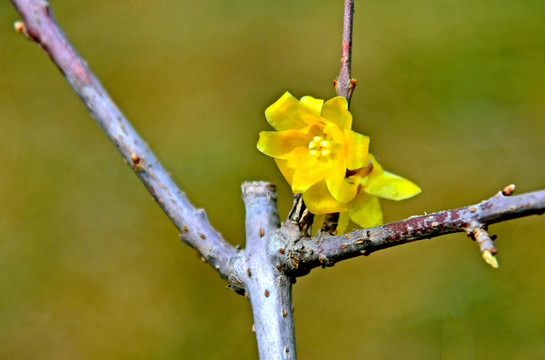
299 258
196 231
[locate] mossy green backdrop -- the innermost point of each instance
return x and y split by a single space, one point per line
452 94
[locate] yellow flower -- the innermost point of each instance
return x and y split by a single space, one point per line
322 158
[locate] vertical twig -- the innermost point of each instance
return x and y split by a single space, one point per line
344 85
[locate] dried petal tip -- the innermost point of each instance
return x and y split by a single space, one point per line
508 190
490 259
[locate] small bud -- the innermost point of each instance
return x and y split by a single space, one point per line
490 259
508 190
19 26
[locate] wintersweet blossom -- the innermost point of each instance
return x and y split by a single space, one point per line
322 158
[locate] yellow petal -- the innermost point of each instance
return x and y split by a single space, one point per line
319 201
336 136
300 158
390 186
285 169
310 105
357 149
305 178
336 111
310 109
278 144
365 210
344 219
377 168
283 114
341 188
387 185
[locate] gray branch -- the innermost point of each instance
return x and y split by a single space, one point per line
40 25
268 289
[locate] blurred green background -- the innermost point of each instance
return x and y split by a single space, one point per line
452 94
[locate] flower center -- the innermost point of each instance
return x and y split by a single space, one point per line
319 147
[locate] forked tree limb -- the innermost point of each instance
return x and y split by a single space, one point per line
300 253
195 230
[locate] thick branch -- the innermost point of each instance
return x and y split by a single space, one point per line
269 290
306 254
195 229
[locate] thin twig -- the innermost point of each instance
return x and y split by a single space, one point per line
344 84
195 229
